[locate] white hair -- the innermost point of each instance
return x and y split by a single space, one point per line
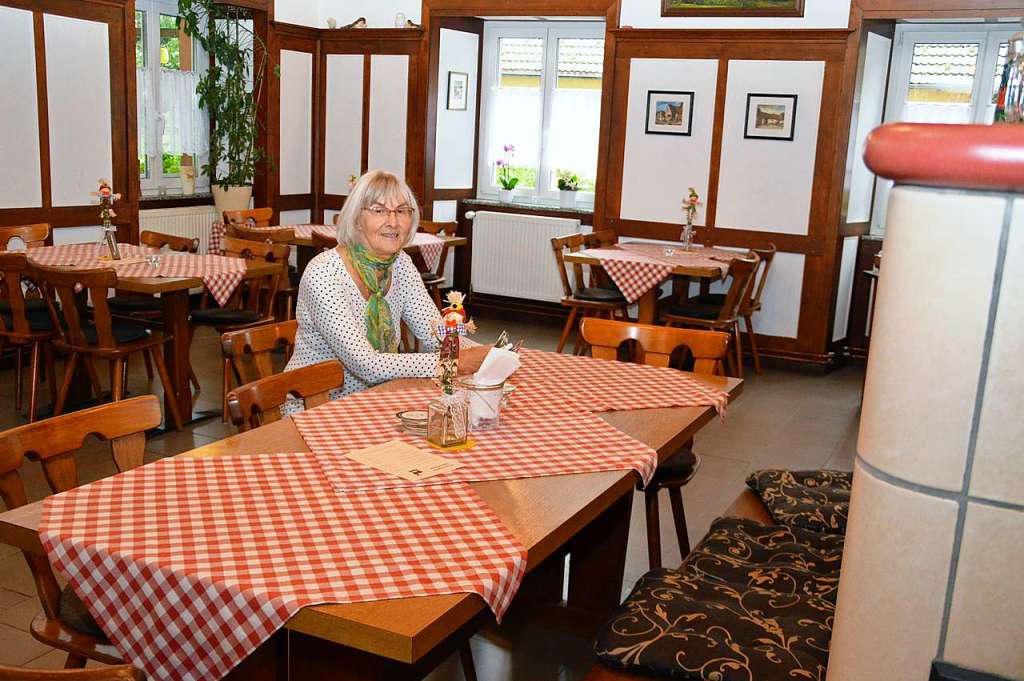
375 187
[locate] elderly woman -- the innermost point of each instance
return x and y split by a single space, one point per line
353 297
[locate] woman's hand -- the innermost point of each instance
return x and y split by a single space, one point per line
471 358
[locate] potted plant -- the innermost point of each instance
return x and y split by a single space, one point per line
568 185
506 179
238 58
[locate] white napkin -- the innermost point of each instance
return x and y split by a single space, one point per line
497 366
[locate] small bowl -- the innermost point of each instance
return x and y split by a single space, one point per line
413 421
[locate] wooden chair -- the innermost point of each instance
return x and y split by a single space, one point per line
724 317
25 323
322 242
33 236
258 403
751 303
256 217
64 622
288 290
102 337
252 303
124 672
434 280
247 351
655 345
586 296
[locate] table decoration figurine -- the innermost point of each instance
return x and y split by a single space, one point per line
690 208
107 198
448 415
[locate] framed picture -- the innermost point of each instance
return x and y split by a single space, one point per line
770 117
732 8
458 90
669 113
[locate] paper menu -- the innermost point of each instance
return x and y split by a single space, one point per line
404 460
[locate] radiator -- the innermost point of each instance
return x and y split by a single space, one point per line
512 254
193 222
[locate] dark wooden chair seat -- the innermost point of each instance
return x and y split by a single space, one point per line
133 304
677 469
218 316
600 295
73 613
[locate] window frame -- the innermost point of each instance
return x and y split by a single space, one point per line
550 32
150 185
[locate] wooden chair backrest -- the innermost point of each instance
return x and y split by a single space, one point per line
54 441
248 350
124 672
571 243
257 293
657 343
741 272
322 242
278 235
13 268
61 283
437 229
257 217
181 244
767 255
34 236
602 237
257 403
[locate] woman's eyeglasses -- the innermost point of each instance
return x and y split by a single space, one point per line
404 212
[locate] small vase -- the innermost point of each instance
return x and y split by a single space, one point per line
566 199
505 195
687 238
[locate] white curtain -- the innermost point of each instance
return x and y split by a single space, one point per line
922 112
573 131
185 125
141 97
515 118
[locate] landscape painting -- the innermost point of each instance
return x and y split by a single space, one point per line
732 8
669 113
770 117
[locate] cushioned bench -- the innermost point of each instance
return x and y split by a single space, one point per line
755 598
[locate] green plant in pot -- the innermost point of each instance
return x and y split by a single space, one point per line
568 185
229 91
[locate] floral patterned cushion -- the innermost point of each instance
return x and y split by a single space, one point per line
815 500
750 603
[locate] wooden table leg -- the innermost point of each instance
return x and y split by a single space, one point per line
175 319
597 562
269 662
648 306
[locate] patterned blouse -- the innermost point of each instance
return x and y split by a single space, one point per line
331 312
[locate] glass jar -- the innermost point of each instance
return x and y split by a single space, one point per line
448 421
484 402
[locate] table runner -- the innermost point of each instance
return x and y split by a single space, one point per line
544 432
430 245
189 564
220 275
636 268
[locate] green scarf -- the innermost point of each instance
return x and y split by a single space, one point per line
376 275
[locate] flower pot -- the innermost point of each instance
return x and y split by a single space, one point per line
505 195
567 199
232 198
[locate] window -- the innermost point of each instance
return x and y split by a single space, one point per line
171 126
543 98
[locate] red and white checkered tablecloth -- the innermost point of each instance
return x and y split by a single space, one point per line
189 564
544 432
700 256
430 246
633 273
606 385
220 275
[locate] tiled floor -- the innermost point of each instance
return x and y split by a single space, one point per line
782 420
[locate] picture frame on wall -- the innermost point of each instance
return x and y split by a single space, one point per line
669 112
458 90
770 117
732 8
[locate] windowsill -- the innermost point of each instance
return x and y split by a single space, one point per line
528 206
153 202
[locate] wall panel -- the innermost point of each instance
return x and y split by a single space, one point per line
20 182
78 92
847 273
765 185
344 121
454 149
295 166
389 91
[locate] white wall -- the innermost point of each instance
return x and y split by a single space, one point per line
344 112
389 91
20 183
869 102
295 165
657 169
78 95
378 13
765 185
456 130
847 273
817 14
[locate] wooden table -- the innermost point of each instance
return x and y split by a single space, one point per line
174 301
647 304
585 515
